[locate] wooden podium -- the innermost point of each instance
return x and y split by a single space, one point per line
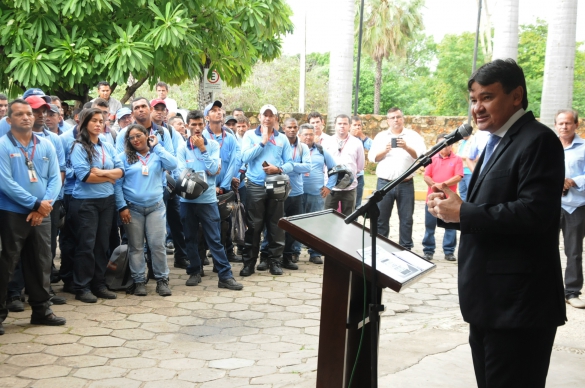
342 300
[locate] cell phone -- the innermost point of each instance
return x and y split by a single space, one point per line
394 141
265 164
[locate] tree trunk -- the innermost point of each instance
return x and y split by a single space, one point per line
506 30
341 62
377 86
131 89
559 62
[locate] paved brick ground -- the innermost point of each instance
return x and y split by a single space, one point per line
263 336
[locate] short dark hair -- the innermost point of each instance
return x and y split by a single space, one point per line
87 105
288 120
3 97
313 115
238 109
194 115
394 109
162 84
17 101
355 118
138 99
175 118
76 111
341 116
571 111
441 136
55 98
306 126
100 102
103 83
242 119
506 72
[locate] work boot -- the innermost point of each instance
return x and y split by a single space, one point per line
295 258
162 287
275 267
263 266
248 268
181 263
232 258
287 262
15 305
139 289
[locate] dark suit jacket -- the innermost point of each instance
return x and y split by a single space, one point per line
509 262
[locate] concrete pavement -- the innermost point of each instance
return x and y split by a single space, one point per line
263 336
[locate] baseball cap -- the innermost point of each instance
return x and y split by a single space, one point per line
54 108
36 92
230 117
210 106
268 107
157 101
122 112
37 102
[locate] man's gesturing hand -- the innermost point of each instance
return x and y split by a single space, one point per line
444 204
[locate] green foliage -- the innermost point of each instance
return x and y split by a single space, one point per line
67 46
532 49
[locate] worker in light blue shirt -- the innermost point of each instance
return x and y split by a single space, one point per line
266 151
139 199
572 204
29 172
203 156
91 211
356 130
316 184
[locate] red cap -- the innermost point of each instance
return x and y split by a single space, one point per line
157 101
37 102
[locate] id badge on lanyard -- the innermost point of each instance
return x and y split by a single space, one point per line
32 174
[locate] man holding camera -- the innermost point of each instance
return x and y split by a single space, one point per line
395 149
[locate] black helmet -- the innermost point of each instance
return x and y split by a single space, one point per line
344 176
277 186
226 204
190 184
171 184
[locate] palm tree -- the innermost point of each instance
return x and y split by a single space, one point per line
506 30
341 61
559 62
388 27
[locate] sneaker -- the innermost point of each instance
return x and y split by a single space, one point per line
316 259
86 297
170 248
15 305
428 256
162 287
576 302
450 257
194 280
230 284
139 289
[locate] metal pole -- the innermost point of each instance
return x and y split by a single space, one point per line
359 58
475 54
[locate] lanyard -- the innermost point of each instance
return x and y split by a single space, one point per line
295 152
103 157
213 134
339 147
26 159
271 139
145 159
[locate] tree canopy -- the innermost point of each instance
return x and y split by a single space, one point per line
67 46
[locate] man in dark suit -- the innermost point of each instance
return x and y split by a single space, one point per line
510 282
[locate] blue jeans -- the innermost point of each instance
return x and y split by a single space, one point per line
174 227
403 194
206 214
449 239
150 222
359 191
312 203
464 186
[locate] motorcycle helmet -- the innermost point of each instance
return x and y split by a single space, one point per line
191 185
344 176
277 186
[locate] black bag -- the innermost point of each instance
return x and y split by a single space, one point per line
239 222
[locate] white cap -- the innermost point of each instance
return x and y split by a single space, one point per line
270 108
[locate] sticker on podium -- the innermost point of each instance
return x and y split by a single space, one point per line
400 266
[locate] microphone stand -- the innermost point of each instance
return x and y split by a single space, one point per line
371 208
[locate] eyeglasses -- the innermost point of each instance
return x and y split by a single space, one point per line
137 137
395 117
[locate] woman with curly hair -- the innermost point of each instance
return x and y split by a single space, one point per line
92 206
139 199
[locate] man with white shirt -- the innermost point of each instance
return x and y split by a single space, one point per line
395 149
347 150
162 90
317 121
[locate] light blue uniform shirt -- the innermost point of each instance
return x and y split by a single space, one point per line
367 143
144 190
276 151
206 163
164 140
313 181
17 193
56 141
241 173
301 157
64 127
104 158
575 169
229 152
4 126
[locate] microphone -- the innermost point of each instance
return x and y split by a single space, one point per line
458 134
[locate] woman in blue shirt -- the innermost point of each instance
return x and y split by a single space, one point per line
92 206
139 198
